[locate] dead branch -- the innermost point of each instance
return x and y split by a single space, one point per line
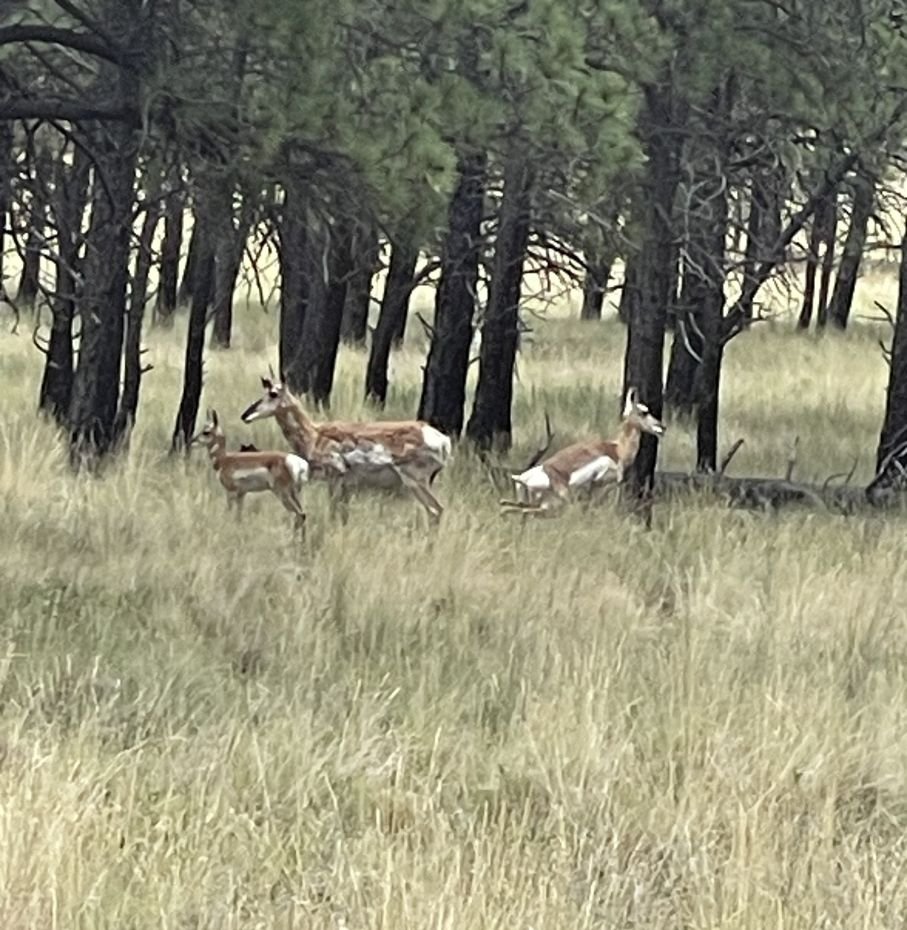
722 467
792 459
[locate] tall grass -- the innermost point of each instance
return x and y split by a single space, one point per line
566 723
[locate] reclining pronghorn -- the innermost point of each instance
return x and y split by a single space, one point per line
241 473
587 464
386 455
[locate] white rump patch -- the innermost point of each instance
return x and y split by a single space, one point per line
535 479
437 442
595 471
299 469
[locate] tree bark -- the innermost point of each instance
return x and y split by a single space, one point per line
292 254
444 383
629 293
102 303
191 268
763 229
30 278
365 253
69 210
595 282
228 257
317 358
6 176
398 287
890 456
661 121
809 276
710 271
138 299
171 245
490 424
829 214
202 286
852 255
680 396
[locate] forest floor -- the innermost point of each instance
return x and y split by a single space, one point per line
567 723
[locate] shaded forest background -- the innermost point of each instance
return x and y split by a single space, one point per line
675 159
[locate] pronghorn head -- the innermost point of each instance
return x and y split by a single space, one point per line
638 414
210 433
276 396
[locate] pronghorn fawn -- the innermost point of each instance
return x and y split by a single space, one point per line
385 455
241 473
583 465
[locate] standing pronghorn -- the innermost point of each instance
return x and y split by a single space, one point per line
386 455
241 473
584 464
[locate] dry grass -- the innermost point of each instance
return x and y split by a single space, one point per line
570 723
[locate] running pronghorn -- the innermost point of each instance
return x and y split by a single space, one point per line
386 455
584 464
241 473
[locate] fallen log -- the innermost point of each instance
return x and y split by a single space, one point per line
766 493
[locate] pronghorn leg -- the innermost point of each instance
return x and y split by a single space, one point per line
235 500
338 499
527 508
548 504
290 500
422 494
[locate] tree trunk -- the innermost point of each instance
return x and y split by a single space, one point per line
710 271
366 252
444 382
6 177
228 257
680 397
138 298
762 230
890 457
595 282
30 278
202 286
490 424
660 125
191 268
629 293
397 290
138 295
171 245
399 336
809 277
292 254
852 255
102 303
317 358
829 214
69 210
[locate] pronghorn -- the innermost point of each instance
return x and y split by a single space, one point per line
584 464
241 473
386 455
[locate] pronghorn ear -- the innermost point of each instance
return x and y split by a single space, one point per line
630 402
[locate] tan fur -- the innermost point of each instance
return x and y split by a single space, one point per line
559 467
232 470
325 446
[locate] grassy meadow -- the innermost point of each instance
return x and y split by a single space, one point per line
570 723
